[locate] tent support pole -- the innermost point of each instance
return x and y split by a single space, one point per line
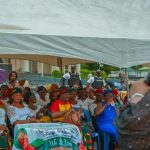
42 72
126 80
59 63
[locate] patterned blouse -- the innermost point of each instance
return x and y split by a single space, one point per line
15 113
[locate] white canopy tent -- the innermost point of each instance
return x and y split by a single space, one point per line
112 32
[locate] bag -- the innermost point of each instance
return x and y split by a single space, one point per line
72 117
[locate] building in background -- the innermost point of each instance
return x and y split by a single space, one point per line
26 66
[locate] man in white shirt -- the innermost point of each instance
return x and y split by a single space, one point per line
73 78
96 82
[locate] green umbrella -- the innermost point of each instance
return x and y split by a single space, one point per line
144 69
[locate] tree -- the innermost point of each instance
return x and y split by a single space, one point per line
92 67
56 74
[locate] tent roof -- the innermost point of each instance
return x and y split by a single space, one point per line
113 32
130 70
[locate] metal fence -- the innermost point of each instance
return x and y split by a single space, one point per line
36 79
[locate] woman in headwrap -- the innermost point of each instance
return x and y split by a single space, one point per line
17 112
60 106
106 113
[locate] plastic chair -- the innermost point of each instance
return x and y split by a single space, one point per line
95 135
106 140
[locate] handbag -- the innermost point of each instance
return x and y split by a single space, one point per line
72 117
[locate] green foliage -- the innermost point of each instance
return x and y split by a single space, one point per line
56 74
104 75
84 73
92 67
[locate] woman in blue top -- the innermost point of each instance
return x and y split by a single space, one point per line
106 113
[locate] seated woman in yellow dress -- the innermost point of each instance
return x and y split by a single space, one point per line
60 106
61 110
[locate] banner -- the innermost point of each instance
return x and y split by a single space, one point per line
46 136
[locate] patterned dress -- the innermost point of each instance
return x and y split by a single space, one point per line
15 113
133 125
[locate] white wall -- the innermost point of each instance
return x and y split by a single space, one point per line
25 66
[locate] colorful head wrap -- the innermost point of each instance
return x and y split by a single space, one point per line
108 91
115 92
6 91
54 87
99 91
64 90
16 90
72 90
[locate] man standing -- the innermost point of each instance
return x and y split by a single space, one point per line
72 77
96 82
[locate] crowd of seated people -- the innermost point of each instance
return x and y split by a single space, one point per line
57 104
